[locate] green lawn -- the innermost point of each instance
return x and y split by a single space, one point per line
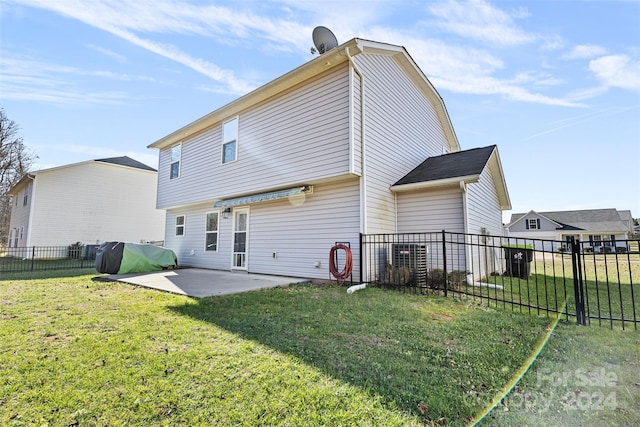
612 288
586 376
80 351
77 351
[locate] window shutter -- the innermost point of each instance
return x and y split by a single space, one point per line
538 223
526 223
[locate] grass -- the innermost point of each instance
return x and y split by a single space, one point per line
612 288
586 376
79 351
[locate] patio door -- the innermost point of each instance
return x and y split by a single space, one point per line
240 238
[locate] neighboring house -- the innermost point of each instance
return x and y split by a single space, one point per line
354 141
596 228
90 202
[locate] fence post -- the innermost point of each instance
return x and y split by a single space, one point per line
578 290
362 252
33 256
444 262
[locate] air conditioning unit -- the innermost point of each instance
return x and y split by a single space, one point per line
414 257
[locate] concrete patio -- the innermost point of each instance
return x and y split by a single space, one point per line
200 283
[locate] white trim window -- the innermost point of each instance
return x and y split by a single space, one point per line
176 154
180 223
212 222
230 141
533 224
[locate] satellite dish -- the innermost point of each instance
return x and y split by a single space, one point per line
324 39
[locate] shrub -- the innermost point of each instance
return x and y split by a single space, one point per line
75 250
396 276
455 279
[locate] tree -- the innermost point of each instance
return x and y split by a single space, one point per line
15 161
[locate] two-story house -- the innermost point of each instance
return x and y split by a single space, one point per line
89 202
356 140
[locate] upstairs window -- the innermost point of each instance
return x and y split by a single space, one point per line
533 224
175 161
211 231
230 141
180 225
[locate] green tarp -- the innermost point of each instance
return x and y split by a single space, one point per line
142 258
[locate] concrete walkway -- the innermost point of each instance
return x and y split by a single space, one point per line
196 282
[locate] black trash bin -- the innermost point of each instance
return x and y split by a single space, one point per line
90 252
518 259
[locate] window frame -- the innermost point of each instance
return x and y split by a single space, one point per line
172 162
207 232
228 140
183 225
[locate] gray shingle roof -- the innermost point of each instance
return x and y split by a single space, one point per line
453 165
126 161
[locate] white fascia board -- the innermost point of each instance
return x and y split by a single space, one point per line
469 179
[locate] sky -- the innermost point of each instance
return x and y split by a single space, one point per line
555 84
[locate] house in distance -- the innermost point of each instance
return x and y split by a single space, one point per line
91 202
357 140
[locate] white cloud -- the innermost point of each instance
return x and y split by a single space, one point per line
617 71
479 20
28 79
118 57
457 68
585 51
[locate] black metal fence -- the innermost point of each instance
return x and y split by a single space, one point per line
542 277
37 258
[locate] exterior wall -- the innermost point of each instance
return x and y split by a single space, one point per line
484 216
300 232
19 222
296 138
430 211
94 202
402 130
483 207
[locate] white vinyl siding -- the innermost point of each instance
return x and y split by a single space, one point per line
296 138
20 216
430 211
402 130
92 202
483 206
484 217
300 231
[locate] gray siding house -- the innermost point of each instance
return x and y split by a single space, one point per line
356 140
598 229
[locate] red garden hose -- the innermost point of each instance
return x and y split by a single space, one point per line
348 266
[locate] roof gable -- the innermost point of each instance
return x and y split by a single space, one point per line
331 59
452 168
120 161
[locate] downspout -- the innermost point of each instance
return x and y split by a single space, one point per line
465 219
363 181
